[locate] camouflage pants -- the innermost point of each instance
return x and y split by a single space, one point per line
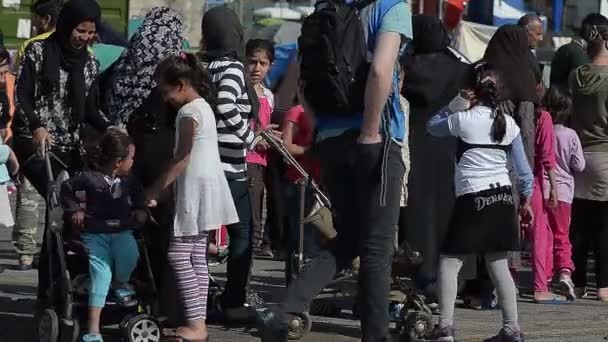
26 219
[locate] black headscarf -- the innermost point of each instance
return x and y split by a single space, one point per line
223 37
430 35
508 52
59 53
222 33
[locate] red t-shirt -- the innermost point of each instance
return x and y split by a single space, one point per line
303 137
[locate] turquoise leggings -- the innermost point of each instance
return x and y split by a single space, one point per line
109 252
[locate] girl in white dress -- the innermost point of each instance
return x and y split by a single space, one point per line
203 199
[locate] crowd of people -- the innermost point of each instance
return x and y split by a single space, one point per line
469 161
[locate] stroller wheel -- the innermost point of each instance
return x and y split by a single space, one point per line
299 326
48 326
142 328
417 325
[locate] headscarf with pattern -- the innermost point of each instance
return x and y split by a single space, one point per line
160 36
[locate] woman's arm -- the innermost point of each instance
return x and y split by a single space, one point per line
25 93
545 151
230 88
180 160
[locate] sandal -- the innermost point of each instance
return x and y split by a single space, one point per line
557 300
171 335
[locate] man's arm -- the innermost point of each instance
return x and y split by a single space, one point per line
378 86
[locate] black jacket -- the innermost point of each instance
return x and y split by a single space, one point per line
107 208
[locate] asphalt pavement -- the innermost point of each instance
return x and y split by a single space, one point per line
583 321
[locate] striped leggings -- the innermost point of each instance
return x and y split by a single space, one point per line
188 257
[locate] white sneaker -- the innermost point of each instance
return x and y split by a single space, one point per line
567 286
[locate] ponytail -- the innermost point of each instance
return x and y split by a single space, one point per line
187 67
488 92
499 126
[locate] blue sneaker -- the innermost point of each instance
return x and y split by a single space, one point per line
91 338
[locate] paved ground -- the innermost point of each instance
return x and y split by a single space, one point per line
584 321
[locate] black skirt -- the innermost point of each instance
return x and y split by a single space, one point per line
483 222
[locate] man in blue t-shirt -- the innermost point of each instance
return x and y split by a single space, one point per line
362 170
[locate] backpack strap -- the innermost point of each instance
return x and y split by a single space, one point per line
361 4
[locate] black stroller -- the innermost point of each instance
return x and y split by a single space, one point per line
66 304
408 308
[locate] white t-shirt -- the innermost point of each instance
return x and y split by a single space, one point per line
480 168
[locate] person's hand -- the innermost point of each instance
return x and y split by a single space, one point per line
369 139
553 199
468 94
41 139
78 219
526 214
150 198
263 145
140 216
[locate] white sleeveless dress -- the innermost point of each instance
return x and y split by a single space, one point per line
203 198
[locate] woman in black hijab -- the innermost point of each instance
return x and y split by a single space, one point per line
54 79
237 103
507 52
53 83
433 79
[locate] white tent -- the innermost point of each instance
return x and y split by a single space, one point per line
278 12
471 39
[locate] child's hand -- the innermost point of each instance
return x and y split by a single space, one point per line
140 216
526 214
553 199
150 197
151 203
78 219
467 94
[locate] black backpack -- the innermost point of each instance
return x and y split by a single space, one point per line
333 57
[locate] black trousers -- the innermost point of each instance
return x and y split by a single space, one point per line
240 249
589 231
257 187
364 185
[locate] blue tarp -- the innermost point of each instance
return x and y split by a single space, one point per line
283 55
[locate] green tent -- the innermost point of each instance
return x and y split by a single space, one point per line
107 54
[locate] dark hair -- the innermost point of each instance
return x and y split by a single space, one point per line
558 102
187 67
52 8
265 45
4 55
114 145
592 19
488 92
598 35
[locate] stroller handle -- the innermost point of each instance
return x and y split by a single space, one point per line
279 146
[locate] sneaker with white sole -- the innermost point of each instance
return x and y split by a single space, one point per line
504 336
440 334
567 286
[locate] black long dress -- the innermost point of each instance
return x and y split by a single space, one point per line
433 81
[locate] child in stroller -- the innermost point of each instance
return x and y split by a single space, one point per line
103 207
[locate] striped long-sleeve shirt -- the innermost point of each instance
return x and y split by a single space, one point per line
233 111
